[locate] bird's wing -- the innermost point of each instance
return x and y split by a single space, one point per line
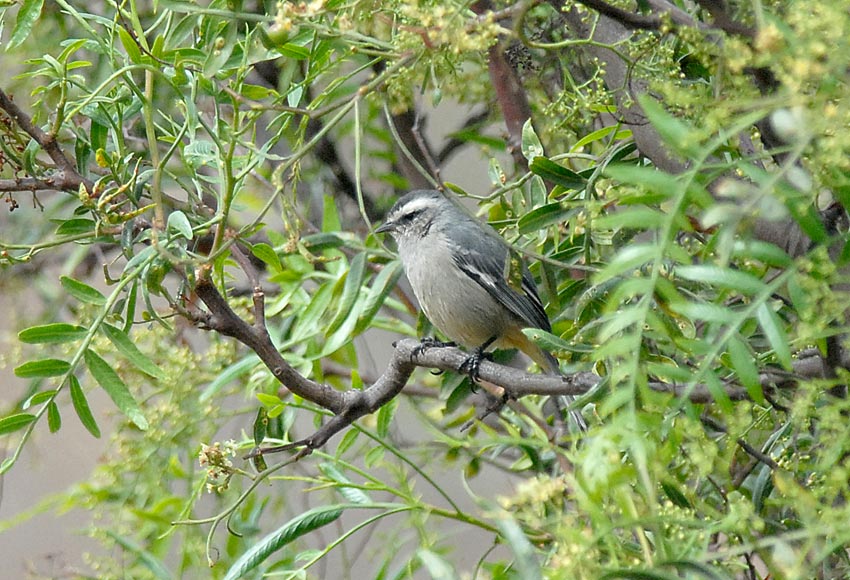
485 262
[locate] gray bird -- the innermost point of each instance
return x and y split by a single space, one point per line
459 270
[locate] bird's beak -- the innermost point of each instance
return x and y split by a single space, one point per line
387 226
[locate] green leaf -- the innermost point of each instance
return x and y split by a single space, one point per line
261 424
148 560
179 224
384 283
765 252
82 292
46 367
267 255
290 531
231 373
597 135
75 226
671 490
385 417
707 311
676 134
347 441
15 422
54 419
28 14
438 568
350 292
459 388
807 217
130 45
525 559
109 380
52 333
775 333
308 321
626 260
81 406
650 178
346 487
556 173
742 282
542 217
531 145
745 367
125 346
632 218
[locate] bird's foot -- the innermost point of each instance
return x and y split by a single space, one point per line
430 342
472 364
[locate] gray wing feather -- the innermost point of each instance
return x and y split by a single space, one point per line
483 259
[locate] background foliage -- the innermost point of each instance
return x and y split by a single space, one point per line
679 170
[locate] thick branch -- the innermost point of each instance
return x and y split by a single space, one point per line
349 406
518 383
222 319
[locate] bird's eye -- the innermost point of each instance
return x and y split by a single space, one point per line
410 216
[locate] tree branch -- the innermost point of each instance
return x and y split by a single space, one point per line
68 174
349 406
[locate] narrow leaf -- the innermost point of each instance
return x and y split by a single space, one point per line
261 425
556 173
384 283
231 373
626 260
125 346
650 178
775 333
742 282
148 560
525 559
28 14
109 380
54 419
51 333
46 367
130 45
385 417
14 422
346 487
542 217
290 531
82 292
267 255
677 135
350 292
745 368
81 406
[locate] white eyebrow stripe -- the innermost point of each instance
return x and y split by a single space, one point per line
414 205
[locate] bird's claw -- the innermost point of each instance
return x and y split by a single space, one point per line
430 342
472 364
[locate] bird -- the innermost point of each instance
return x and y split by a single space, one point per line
467 280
